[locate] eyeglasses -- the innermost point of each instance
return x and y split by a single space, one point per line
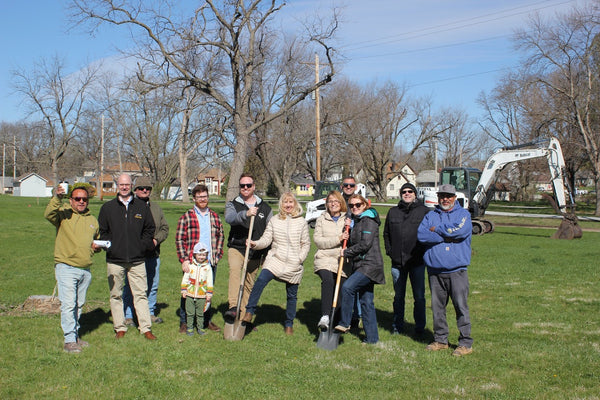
445 195
246 185
355 205
407 191
84 199
348 184
333 202
144 188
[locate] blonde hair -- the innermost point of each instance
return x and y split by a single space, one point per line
337 196
297 207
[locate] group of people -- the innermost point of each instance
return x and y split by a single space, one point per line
346 236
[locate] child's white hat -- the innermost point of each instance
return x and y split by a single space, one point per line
200 248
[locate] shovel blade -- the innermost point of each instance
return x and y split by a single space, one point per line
328 340
234 331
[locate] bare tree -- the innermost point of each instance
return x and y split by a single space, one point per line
58 100
561 56
228 40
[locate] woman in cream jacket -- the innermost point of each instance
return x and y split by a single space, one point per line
328 237
287 234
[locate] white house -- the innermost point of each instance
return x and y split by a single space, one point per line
31 185
404 175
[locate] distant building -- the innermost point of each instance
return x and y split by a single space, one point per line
6 185
399 176
32 185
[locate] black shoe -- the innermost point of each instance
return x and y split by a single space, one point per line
230 315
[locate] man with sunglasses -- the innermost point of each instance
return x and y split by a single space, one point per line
76 230
238 213
446 234
143 189
348 187
401 245
128 224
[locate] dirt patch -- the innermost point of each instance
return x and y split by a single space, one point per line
40 304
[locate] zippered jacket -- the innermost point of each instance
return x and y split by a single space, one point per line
290 242
400 234
130 230
363 247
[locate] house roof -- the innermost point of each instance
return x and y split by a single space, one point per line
29 175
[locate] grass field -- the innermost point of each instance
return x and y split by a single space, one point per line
535 309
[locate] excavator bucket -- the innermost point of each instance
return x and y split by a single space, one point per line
569 228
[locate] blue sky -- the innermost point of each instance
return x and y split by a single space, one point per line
450 50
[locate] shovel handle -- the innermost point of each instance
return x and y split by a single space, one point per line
243 274
339 272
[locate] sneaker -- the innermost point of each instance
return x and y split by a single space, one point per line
72 347
129 322
190 332
82 343
342 329
435 346
201 332
156 320
462 351
324 322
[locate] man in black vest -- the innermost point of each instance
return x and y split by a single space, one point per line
238 213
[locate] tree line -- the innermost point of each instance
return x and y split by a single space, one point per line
219 85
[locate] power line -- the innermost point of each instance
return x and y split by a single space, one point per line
450 26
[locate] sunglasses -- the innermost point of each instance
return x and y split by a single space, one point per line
349 184
146 188
445 195
407 191
84 199
355 205
246 185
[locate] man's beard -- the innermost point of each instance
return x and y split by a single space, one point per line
446 208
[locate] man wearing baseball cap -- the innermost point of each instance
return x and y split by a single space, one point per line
446 234
143 189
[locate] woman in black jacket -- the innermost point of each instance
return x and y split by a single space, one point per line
367 267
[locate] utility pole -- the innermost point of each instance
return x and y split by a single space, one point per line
435 144
317 121
14 158
101 180
3 164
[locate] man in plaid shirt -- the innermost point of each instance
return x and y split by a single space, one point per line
200 224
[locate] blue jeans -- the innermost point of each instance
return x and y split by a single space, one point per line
72 285
291 289
363 285
153 276
417 281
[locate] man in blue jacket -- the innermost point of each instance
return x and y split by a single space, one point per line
446 233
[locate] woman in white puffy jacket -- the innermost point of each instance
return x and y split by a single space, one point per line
328 238
287 234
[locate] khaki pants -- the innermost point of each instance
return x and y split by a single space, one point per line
136 275
236 263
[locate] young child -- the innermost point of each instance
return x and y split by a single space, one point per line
197 288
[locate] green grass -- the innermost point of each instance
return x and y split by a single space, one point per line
535 307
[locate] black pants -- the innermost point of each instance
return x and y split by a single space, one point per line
327 290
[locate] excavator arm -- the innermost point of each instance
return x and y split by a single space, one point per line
508 155
569 227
